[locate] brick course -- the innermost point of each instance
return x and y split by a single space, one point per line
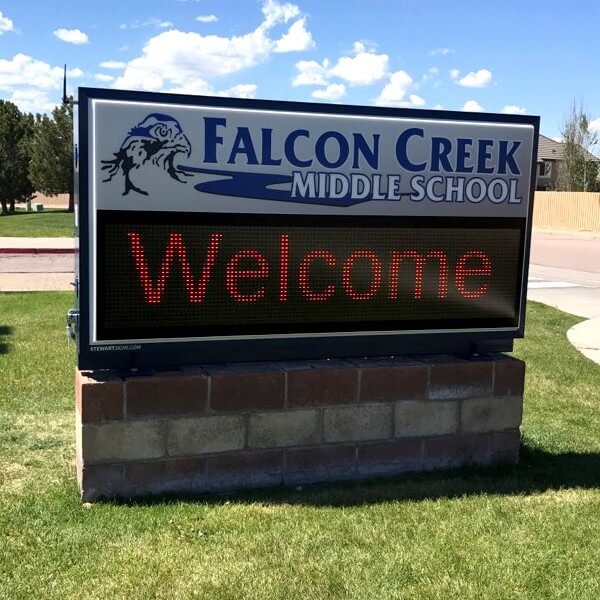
212 428
165 394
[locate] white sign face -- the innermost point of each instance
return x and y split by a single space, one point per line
170 157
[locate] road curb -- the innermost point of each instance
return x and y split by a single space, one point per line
37 250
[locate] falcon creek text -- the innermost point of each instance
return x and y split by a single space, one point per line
465 158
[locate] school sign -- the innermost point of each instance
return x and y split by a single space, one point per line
216 229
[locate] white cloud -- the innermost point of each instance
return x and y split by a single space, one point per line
6 24
151 22
595 125
454 73
476 79
203 88
113 64
429 76
31 82
72 36
178 58
513 109
438 107
32 101
242 90
333 92
297 38
311 72
415 100
365 68
103 77
275 12
472 106
442 52
198 87
395 91
207 18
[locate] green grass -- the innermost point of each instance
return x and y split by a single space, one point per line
531 531
50 223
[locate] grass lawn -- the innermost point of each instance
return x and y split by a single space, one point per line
50 223
530 531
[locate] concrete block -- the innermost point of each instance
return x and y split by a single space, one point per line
98 396
122 441
244 470
393 382
101 482
179 475
414 418
246 391
202 435
322 387
505 447
281 429
323 463
509 377
358 423
390 457
166 394
491 414
447 452
456 379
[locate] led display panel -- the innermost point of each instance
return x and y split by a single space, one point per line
226 275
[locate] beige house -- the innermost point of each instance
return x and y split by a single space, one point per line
549 155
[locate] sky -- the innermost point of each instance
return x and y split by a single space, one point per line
512 56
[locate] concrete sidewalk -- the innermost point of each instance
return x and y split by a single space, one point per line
585 336
21 245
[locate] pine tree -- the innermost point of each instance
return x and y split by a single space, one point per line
51 166
16 132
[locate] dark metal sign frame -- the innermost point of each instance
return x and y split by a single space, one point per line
142 354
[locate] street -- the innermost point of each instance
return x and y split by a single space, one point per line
565 272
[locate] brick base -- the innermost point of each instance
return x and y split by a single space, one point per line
217 428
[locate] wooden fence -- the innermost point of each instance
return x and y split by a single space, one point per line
568 211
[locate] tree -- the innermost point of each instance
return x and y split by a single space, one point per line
579 167
51 166
16 131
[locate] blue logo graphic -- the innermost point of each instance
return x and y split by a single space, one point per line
158 139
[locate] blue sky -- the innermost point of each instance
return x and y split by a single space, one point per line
509 56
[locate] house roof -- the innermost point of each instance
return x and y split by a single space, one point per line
549 149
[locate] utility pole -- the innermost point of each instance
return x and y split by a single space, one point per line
65 100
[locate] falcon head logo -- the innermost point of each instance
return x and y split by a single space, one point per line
157 139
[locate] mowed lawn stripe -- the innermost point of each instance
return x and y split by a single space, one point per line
531 531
